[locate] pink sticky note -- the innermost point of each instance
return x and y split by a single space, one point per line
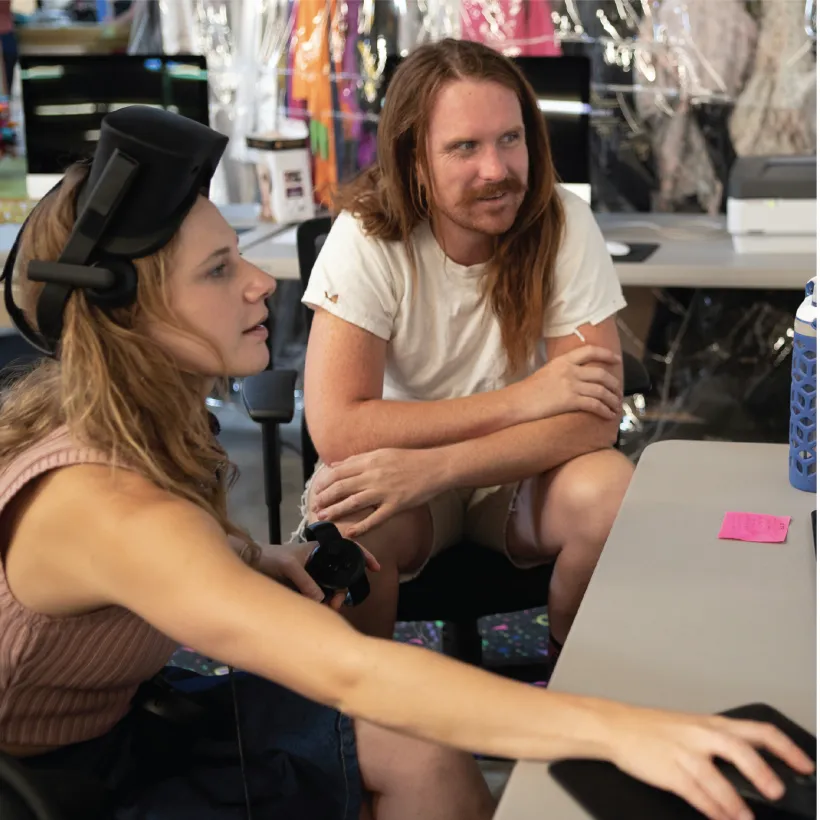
764 529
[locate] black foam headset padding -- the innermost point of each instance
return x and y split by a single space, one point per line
148 169
124 292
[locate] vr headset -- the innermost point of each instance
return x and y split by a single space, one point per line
147 172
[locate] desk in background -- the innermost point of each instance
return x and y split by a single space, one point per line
690 254
675 618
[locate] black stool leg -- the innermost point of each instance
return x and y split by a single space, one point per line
462 640
271 455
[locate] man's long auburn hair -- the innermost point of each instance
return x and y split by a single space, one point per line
115 388
390 200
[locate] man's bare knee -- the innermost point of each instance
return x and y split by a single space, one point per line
406 538
570 508
343 524
590 497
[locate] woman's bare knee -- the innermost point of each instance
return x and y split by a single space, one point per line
412 778
391 762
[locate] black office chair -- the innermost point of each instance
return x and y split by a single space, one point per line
464 583
20 797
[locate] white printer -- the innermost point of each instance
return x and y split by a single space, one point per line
772 204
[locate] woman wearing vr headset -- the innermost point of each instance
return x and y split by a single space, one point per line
116 547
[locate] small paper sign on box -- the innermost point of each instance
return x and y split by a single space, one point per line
762 529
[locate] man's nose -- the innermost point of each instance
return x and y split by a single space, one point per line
491 168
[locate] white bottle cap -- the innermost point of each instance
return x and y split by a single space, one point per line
807 312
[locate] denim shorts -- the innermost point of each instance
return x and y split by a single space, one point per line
299 757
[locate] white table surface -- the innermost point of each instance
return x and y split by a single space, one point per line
676 618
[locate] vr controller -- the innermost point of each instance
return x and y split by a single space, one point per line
336 564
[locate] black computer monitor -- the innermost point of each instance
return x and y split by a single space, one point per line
65 98
562 87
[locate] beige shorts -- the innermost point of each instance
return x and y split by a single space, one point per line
480 516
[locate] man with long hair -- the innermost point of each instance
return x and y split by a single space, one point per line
463 372
116 547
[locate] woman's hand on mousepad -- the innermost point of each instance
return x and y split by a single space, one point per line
607 793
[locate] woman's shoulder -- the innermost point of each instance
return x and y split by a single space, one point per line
97 495
83 516
64 483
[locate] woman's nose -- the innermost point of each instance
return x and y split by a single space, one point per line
262 284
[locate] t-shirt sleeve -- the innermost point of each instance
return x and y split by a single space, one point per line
586 289
352 279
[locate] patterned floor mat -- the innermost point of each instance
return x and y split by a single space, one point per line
520 637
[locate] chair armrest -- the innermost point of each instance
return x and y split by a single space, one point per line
268 396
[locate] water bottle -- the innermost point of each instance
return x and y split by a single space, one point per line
803 422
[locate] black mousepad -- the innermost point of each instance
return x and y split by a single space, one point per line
638 252
607 793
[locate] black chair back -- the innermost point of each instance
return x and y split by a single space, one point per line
310 236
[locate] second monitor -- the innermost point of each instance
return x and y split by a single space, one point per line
65 98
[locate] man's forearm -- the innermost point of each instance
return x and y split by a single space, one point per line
374 424
525 450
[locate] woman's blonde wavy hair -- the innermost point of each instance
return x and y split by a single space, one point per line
114 386
390 198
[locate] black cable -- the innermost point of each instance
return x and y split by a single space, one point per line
216 429
240 745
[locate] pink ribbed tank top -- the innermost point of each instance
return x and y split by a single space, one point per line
65 680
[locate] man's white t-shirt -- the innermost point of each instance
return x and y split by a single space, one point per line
443 340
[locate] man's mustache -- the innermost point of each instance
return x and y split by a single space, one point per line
511 185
